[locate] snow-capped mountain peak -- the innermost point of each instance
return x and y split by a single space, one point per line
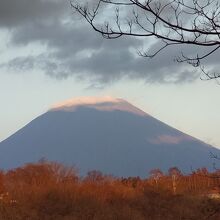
106 103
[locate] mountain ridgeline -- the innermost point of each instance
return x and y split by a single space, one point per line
105 134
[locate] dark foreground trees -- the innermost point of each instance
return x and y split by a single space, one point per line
193 23
50 191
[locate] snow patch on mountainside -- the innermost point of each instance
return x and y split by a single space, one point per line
171 139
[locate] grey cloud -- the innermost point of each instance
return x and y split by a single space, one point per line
20 64
73 48
21 12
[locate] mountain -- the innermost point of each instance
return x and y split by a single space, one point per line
105 134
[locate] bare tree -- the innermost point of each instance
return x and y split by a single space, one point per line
174 22
175 173
156 174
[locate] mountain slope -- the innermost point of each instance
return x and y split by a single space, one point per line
112 136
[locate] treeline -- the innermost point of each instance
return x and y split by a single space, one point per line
51 191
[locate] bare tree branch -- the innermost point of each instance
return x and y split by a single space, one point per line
174 22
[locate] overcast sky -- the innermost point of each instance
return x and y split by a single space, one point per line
48 54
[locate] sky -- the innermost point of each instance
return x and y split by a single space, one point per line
49 54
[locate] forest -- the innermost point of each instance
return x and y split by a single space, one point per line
51 191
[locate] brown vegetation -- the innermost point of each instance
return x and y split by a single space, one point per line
50 191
